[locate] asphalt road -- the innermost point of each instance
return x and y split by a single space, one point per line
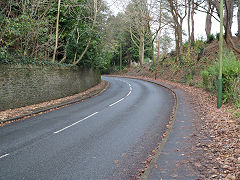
105 137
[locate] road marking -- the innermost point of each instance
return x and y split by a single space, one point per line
76 123
129 93
4 156
130 87
116 102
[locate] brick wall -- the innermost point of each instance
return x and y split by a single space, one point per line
22 85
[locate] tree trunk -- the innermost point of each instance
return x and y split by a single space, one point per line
180 39
153 54
238 17
158 53
84 52
152 42
228 16
141 50
189 28
177 42
192 19
56 39
227 25
178 19
208 24
227 28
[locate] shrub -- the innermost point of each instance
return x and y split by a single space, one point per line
185 44
231 78
217 36
210 38
206 79
151 68
3 53
236 91
199 46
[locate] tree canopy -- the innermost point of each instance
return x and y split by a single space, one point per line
87 34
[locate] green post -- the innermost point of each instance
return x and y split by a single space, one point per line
219 97
155 72
120 58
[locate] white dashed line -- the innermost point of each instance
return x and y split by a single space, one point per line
116 102
129 93
76 123
4 156
130 87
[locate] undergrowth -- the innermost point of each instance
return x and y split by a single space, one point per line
231 78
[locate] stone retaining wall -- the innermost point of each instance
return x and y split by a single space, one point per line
22 85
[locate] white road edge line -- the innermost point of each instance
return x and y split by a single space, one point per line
76 123
4 156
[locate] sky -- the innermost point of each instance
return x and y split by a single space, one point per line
199 18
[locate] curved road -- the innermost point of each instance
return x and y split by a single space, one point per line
106 137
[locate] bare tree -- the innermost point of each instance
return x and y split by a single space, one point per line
159 18
138 18
178 10
238 17
192 20
228 16
208 24
189 27
227 22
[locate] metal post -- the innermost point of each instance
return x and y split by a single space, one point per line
155 72
219 97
